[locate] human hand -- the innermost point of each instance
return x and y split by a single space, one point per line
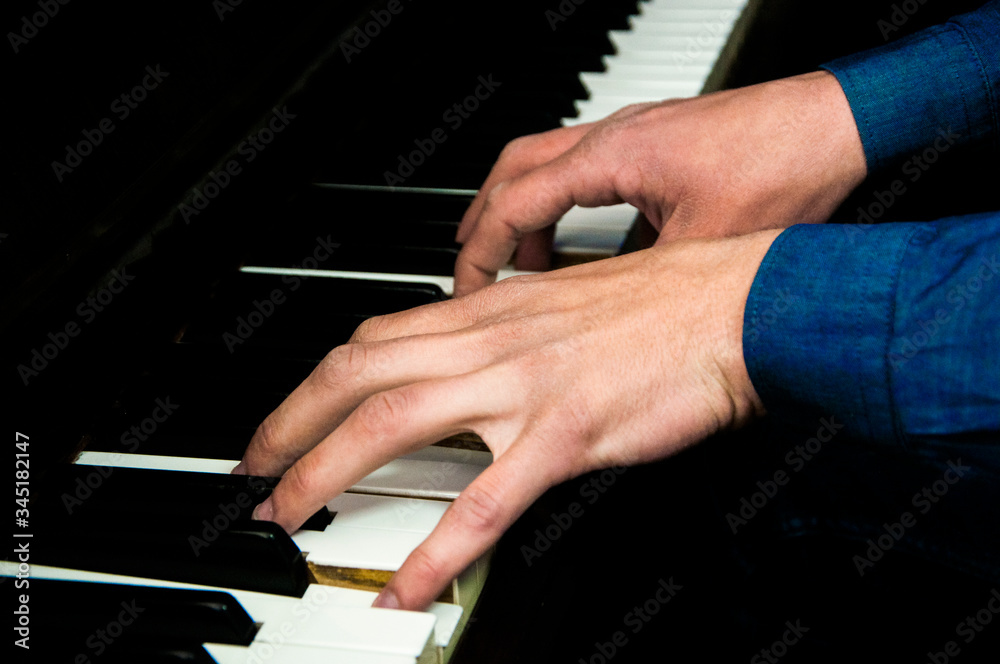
616 362
733 162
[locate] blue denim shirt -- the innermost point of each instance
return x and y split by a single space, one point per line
895 328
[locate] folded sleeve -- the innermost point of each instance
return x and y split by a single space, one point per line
943 82
892 329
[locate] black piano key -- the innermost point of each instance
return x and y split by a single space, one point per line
310 315
113 494
109 621
386 217
256 555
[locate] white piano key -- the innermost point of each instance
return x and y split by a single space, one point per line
446 284
447 615
156 462
294 654
358 548
594 230
359 510
372 630
407 476
715 24
606 84
699 57
643 71
625 42
694 4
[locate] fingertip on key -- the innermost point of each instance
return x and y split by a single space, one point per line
264 511
386 600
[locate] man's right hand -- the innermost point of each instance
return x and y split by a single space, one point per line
729 163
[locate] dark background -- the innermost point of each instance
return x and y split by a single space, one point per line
119 208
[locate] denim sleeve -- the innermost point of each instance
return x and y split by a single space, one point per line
943 81
892 329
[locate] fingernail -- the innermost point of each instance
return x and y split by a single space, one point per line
240 469
386 600
264 511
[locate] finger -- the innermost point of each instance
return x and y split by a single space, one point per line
520 156
383 427
534 251
346 377
525 204
470 526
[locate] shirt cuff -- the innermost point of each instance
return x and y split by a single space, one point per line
891 329
940 84
818 323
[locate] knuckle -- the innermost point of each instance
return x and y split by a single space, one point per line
517 147
494 200
342 365
370 329
300 478
267 440
383 414
476 509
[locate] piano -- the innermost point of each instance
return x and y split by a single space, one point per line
202 202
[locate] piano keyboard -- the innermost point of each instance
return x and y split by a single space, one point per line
667 52
328 623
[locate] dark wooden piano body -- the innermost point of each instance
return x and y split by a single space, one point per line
156 204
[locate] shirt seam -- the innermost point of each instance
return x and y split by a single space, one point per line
896 425
983 77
